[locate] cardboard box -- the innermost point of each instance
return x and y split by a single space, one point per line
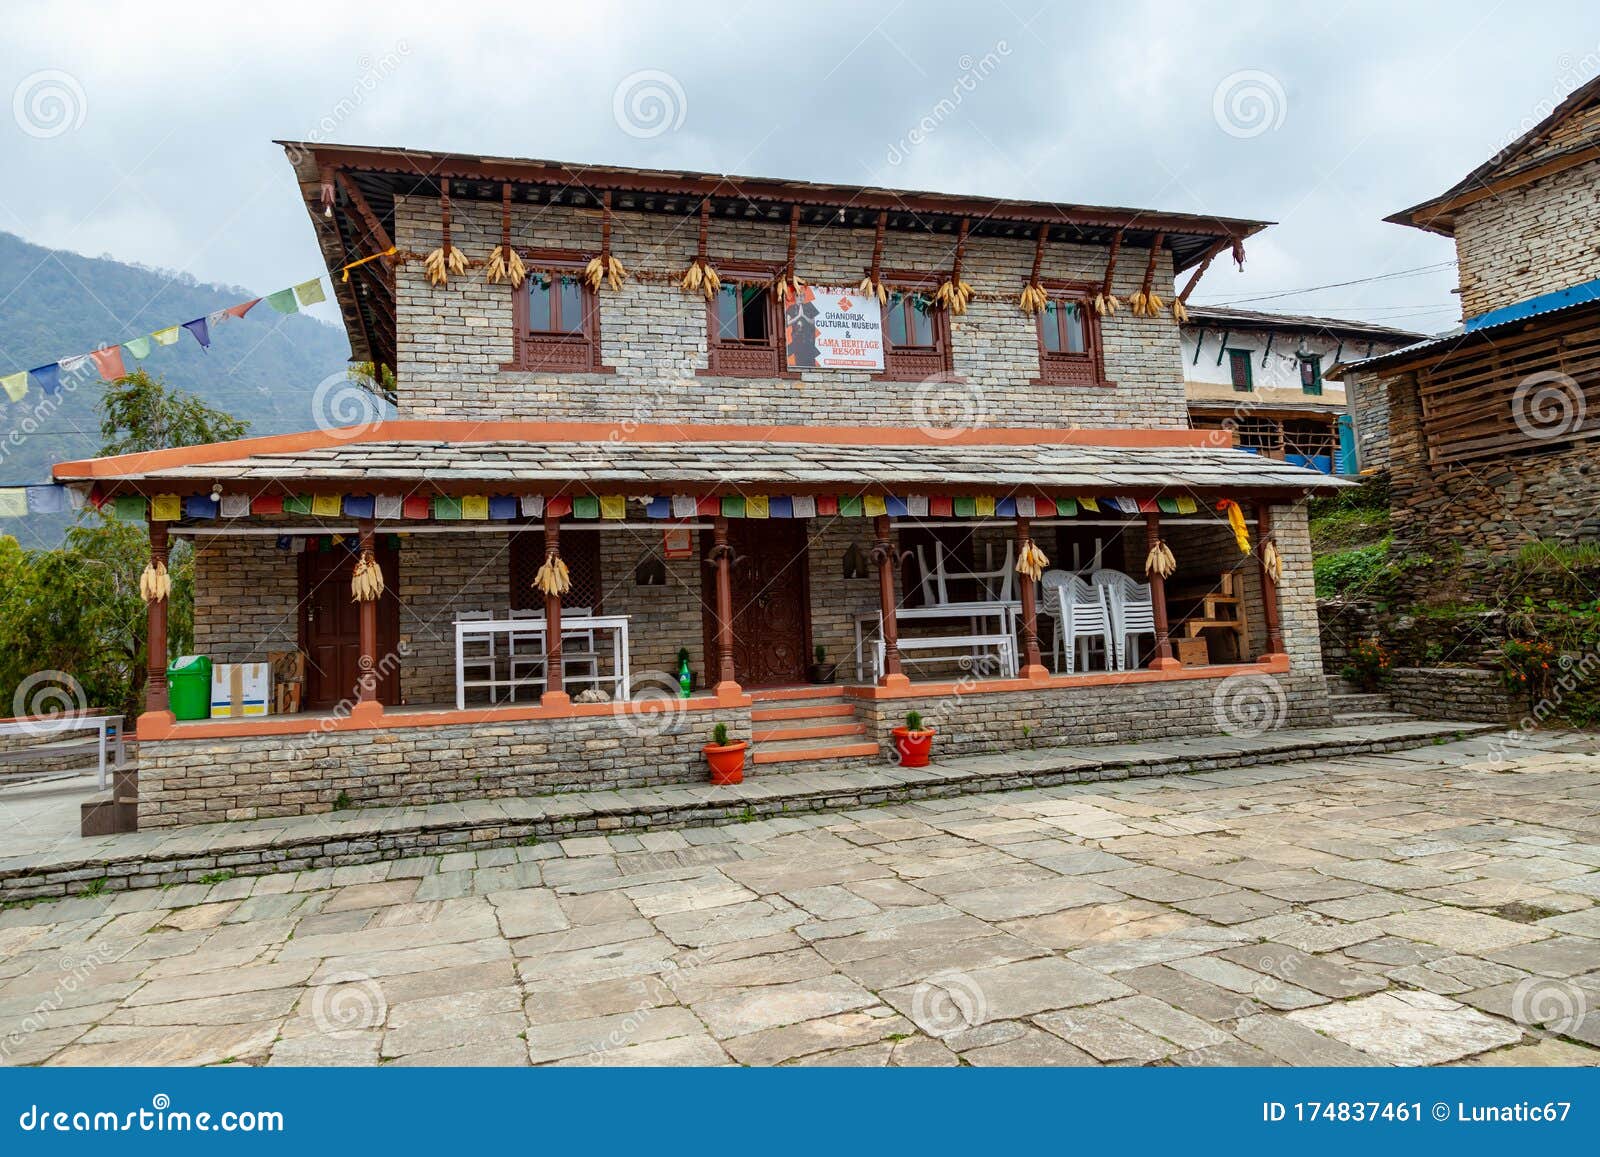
1192 652
288 680
240 690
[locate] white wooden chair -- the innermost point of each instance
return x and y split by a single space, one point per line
585 656
1082 618
478 654
1131 611
525 653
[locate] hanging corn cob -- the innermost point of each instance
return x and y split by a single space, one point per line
1146 302
504 262
700 277
788 286
1031 561
553 578
872 283
1241 533
366 583
1180 312
155 584
874 289
1105 302
1034 298
1272 562
1159 560
604 270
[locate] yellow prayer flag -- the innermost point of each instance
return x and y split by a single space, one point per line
1186 505
756 506
475 507
166 508
1088 504
16 385
613 506
983 506
13 502
310 292
167 336
326 505
872 505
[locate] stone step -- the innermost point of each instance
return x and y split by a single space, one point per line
789 694
768 735
819 709
1359 701
813 751
1369 718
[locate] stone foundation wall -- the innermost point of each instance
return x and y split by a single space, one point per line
188 781
1452 693
1132 713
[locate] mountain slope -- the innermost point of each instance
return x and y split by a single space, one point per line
262 369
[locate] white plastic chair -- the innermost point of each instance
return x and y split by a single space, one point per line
585 656
1131 611
525 652
478 651
1082 618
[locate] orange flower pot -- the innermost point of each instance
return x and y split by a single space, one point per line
726 761
913 746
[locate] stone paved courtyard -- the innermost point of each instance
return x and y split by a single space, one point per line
1430 906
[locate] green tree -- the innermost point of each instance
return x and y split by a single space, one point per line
140 413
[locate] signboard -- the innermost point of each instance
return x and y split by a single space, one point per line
676 543
833 329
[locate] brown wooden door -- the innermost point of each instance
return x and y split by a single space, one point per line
771 603
330 628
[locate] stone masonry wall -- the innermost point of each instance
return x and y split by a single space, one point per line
1451 693
1531 240
187 781
454 340
1369 413
245 598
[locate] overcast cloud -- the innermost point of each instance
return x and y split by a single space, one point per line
159 148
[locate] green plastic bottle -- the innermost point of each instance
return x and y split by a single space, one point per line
685 680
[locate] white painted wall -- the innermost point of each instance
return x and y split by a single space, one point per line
1276 375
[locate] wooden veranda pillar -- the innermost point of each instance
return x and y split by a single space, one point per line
1027 593
367 663
1163 660
1269 589
155 684
883 555
555 683
722 559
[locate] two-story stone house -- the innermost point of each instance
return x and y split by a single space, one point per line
1491 427
717 504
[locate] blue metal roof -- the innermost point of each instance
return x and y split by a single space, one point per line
1534 306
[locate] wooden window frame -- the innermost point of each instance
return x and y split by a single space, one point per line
743 359
553 352
1064 369
1312 388
1234 356
917 365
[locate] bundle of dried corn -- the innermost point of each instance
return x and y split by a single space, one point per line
700 277
1180 312
505 264
366 583
155 584
1031 561
1105 303
604 269
788 286
1159 560
553 578
1272 562
1034 298
874 289
444 262
953 295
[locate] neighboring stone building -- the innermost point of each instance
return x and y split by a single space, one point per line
1491 427
713 490
1262 377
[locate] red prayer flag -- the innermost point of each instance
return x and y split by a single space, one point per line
1148 506
827 505
708 507
941 507
416 506
242 308
267 504
558 507
109 362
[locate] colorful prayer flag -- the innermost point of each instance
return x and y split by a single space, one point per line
1186 504
283 301
965 507
1148 506
166 508
708 507
733 506
416 506
780 507
684 506
235 505
388 506
1026 506
502 507
359 506
16 386
757 506
1005 507
297 504
475 507
1089 504
804 506
128 507
533 505
201 332
199 506
242 308
659 508
873 505
895 507
166 336
267 504
558 507
827 506
1066 507
48 377
850 506
310 292
940 507
613 507
139 347
109 362
446 508
326 505
983 506
13 502
1167 505
586 506
917 506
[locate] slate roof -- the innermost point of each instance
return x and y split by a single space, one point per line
658 467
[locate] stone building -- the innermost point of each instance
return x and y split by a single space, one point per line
1263 377
1491 426
735 479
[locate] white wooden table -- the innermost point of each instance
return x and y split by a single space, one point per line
467 629
978 614
108 726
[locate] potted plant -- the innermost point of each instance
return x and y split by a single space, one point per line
822 671
725 759
913 741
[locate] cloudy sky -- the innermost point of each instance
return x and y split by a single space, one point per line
144 131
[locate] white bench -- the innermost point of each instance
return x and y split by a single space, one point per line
109 727
1004 646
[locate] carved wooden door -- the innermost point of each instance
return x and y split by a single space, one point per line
771 603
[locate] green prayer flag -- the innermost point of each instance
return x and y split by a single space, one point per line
1067 507
283 301
586 506
13 502
850 507
965 507
1167 505
129 507
310 292
139 347
445 508
733 506
297 504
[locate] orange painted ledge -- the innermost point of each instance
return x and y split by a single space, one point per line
1266 665
363 717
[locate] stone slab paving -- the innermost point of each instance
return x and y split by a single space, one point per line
1324 912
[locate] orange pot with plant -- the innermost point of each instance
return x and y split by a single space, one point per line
913 742
725 759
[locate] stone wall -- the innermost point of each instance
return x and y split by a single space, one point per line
1369 414
246 594
1530 240
1452 693
454 341
187 781
975 721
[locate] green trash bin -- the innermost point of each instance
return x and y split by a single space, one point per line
189 687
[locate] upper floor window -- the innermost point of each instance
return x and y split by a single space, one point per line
556 316
1239 371
916 331
742 323
1311 373
1069 339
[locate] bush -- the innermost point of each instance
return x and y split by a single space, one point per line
1368 666
1354 570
